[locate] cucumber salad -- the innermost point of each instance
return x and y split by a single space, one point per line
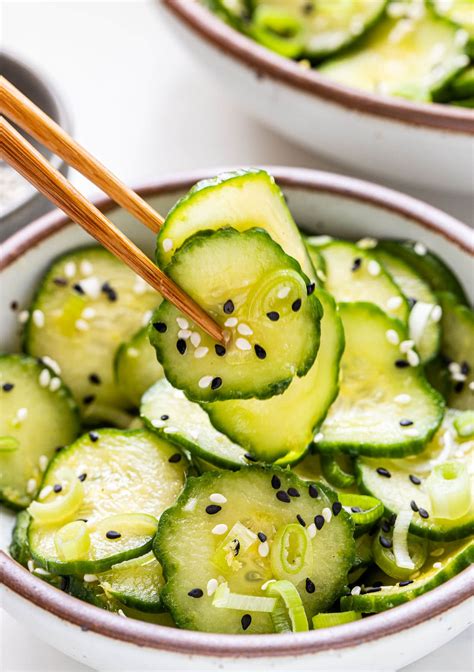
314 468
421 50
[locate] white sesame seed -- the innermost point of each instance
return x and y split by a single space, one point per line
55 384
201 352
38 318
244 329
318 437
31 566
311 530
52 363
43 462
413 358
90 578
220 529
217 498
170 430
392 336
41 572
437 552
158 423
405 346
47 490
283 292
263 549
21 414
70 269
205 381
44 378
327 514
394 302
212 586
402 399
121 613
454 367
420 249
23 316
231 322
91 287
182 323
195 339
88 313
461 38
411 431
86 267
373 268
366 243
139 286
243 344
146 317
184 334
356 590
437 565
81 325
436 314
194 434
459 377
167 244
31 486
471 385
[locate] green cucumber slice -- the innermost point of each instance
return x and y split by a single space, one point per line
354 274
317 260
242 200
440 569
461 87
366 416
283 427
398 57
424 318
239 279
460 12
136 367
191 531
87 304
170 414
37 415
123 474
19 548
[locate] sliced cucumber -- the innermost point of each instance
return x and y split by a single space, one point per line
87 304
242 200
461 88
317 260
283 427
19 548
202 543
259 295
460 12
353 274
406 483
424 318
398 57
437 571
368 417
136 367
127 479
37 415
166 411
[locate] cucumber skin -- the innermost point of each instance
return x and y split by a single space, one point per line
19 548
377 602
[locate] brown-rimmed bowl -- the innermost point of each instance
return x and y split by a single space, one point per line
322 203
427 145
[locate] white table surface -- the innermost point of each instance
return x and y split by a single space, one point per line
140 104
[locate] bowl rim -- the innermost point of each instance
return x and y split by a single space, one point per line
186 642
267 63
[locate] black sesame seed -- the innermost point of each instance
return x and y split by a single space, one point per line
195 592
357 263
61 282
293 492
164 417
82 477
423 513
386 543
212 509
405 583
112 534
313 491
273 316
109 292
392 520
309 585
251 458
373 590
64 583
262 536
175 458
385 526
336 508
405 422
7 387
276 483
300 520
57 487
383 472
296 305
319 521
220 350
88 399
465 368
94 379
236 546
411 301
414 505
93 436
356 509
459 386
77 288
246 620
283 496
216 383
401 364
181 346
310 288
160 327
259 351
414 479
308 8
14 305
229 307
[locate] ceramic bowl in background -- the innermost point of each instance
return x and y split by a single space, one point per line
321 203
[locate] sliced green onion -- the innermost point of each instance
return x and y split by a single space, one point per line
385 559
61 506
400 540
329 620
73 541
371 508
278 30
449 489
127 524
236 543
334 473
8 444
464 425
291 553
289 614
224 599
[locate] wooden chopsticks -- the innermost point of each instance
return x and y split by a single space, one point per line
22 156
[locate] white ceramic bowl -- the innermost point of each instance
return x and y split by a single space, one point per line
321 203
427 145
